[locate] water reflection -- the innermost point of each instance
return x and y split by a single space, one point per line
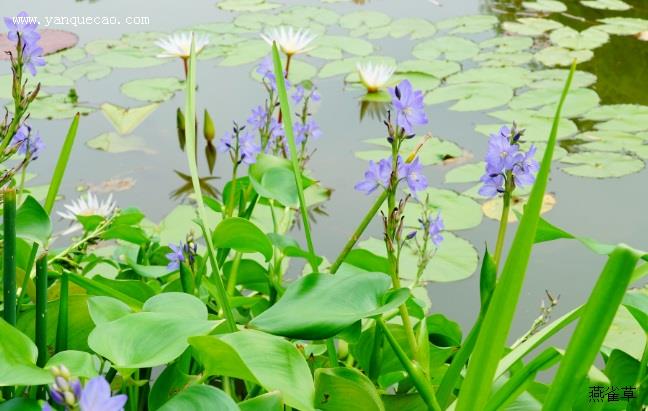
183 191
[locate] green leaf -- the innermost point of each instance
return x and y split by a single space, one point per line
559 56
459 212
319 306
606 4
625 334
20 404
200 397
271 362
466 173
18 359
152 89
363 22
348 65
270 401
508 44
578 102
468 24
585 40
512 76
471 96
336 388
278 184
32 222
433 151
623 25
115 143
636 302
531 26
536 125
245 52
243 236
435 68
550 6
552 78
80 364
450 47
106 309
601 164
156 335
125 120
246 5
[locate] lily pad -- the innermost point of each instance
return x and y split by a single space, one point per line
493 207
448 47
611 140
115 143
545 6
246 52
363 22
508 44
601 164
466 173
437 68
125 120
495 59
559 56
459 212
588 39
578 101
246 5
55 106
351 45
455 259
309 15
152 89
555 78
91 71
612 111
512 76
623 25
471 96
433 151
51 41
606 4
468 24
416 28
531 26
348 65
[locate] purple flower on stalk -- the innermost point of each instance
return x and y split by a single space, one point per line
377 175
226 143
22 25
28 143
502 154
298 95
96 396
248 148
435 226
525 168
493 185
315 95
413 174
303 131
33 57
409 107
176 257
266 71
258 117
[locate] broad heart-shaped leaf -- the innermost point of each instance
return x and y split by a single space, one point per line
601 164
18 359
471 96
277 184
636 302
20 404
436 68
559 56
606 4
585 40
80 363
156 335
545 6
508 44
270 401
466 173
125 120
616 111
451 47
242 235
625 334
337 388
270 361
32 221
363 22
552 78
578 101
433 151
531 26
319 306
512 76
455 259
623 25
200 397
115 143
152 89
493 207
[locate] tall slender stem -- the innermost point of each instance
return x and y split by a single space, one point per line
41 310
506 209
62 324
9 274
358 231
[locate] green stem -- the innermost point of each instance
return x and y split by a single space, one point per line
41 310
332 353
23 174
62 324
231 281
231 200
186 281
9 275
416 374
637 403
28 270
358 231
501 234
375 360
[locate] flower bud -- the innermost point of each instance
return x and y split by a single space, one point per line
209 130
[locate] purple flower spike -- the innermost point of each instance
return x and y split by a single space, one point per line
525 169
298 95
501 153
23 25
96 396
248 148
258 117
28 143
410 110
176 257
226 143
493 185
416 181
377 175
33 57
435 228
310 129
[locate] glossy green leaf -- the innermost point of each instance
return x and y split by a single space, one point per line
125 120
20 404
18 359
152 89
319 306
559 56
269 361
623 25
459 212
362 22
585 40
468 24
336 388
636 302
80 364
508 44
32 222
471 96
578 102
243 236
271 401
549 6
466 173
606 4
531 26
200 397
512 76
601 164
448 47
625 334
105 309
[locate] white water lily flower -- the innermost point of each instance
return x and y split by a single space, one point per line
374 76
289 40
179 45
87 206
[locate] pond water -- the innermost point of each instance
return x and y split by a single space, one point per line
610 210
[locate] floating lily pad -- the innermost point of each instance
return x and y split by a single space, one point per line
436 68
340 44
55 106
471 96
257 21
613 111
531 26
456 259
555 78
589 39
617 141
468 24
629 123
91 71
246 52
606 4
459 212
495 59
545 6
601 164
623 25
508 44
51 41
420 81
348 65
114 143
416 28
578 101
512 76
466 173
493 207
246 5
125 120
72 54
152 89
537 127
450 47
559 56
122 54
433 151
363 22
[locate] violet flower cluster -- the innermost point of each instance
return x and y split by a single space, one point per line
94 396
505 160
22 31
179 254
379 174
240 144
26 143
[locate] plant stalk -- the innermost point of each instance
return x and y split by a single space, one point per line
9 275
506 209
63 317
41 310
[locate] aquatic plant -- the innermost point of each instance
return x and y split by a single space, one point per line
122 317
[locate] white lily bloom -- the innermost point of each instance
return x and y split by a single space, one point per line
374 76
289 40
179 45
87 206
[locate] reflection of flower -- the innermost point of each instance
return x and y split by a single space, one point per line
408 103
290 41
374 76
179 45
96 396
87 206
